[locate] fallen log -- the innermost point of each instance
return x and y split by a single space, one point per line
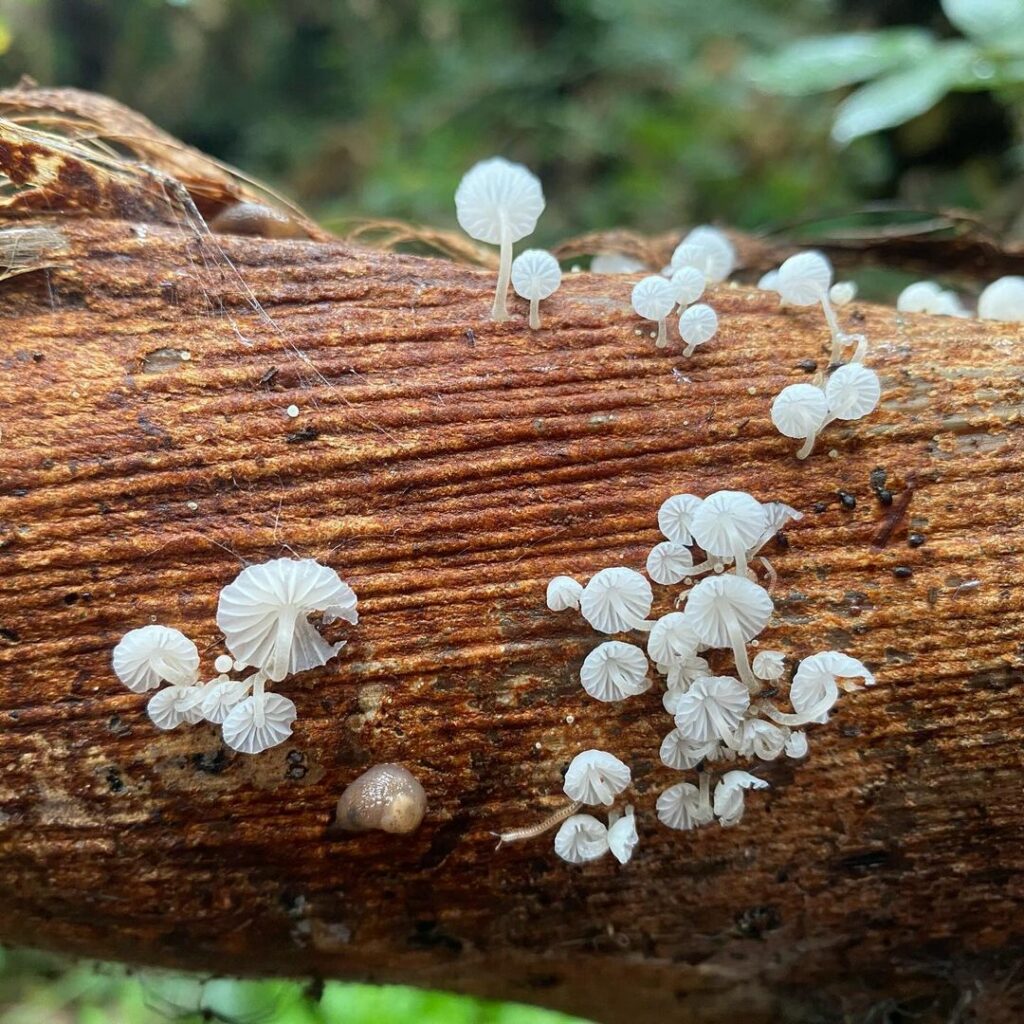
449 466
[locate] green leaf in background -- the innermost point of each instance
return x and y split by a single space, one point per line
898 97
828 62
5 37
996 21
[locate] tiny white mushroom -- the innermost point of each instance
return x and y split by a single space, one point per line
616 599
536 275
728 524
707 249
259 722
615 671
681 807
682 754
654 299
1003 300
499 202
263 615
769 282
711 709
929 297
615 263
842 293
146 657
669 562
697 325
581 838
815 687
757 738
622 834
220 697
681 676
796 745
173 705
223 664
563 593
687 285
729 611
676 514
596 777
852 392
800 411
769 665
805 280
672 640
729 795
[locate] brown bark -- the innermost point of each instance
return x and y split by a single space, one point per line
448 467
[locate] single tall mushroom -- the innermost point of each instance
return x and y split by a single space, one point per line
146 657
800 411
499 202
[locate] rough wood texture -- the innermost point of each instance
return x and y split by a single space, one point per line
448 466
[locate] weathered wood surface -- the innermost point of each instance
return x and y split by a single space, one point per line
447 467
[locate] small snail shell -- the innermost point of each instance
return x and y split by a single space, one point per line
386 797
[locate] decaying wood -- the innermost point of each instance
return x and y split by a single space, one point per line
448 467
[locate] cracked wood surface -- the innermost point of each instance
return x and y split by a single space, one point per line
448 467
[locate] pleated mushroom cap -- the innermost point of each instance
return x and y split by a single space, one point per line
622 835
581 838
1003 300
220 698
679 807
687 285
711 709
728 521
815 686
495 191
805 279
146 657
596 777
799 410
536 274
669 562
653 298
729 796
718 599
263 615
616 599
708 250
563 593
174 705
258 723
852 392
698 324
615 671
676 515
769 665
672 640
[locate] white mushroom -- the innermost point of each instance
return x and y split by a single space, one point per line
815 687
173 705
616 599
672 641
615 263
536 275
563 593
727 524
581 838
615 671
259 722
669 562
852 392
263 615
687 285
219 697
796 745
800 411
596 777
711 709
1003 300
805 280
676 514
769 665
622 834
729 795
681 676
842 293
769 282
729 611
697 325
654 299
929 297
683 806
499 202
755 737
146 657
682 754
708 250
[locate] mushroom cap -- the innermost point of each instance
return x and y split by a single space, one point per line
172 705
698 324
536 274
682 754
796 745
777 514
653 298
717 599
729 795
1003 300
708 250
220 698
497 191
669 561
681 676
842 293
596 777
815 683
687 285
672 640
622 834
616 599
799 410
769 665
563 593
728 521
679 807
805 279
256 609
581 838
244 731
711 709
754 737
616 263
852 392
675 516
769 282
919 297
615 671
146 657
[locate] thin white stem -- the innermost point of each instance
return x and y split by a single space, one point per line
535 314
169 672
283 644
808 446
739 652
662 339
833 326
740 556
688 351
499 311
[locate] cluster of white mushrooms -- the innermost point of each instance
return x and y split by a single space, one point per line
264 616
718 718
850 390
1002 300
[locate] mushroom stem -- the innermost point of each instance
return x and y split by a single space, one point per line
808 446
259 715
172 673
739 555
662 339
739 652
283 644
535 314
689 350
499 311
833 326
